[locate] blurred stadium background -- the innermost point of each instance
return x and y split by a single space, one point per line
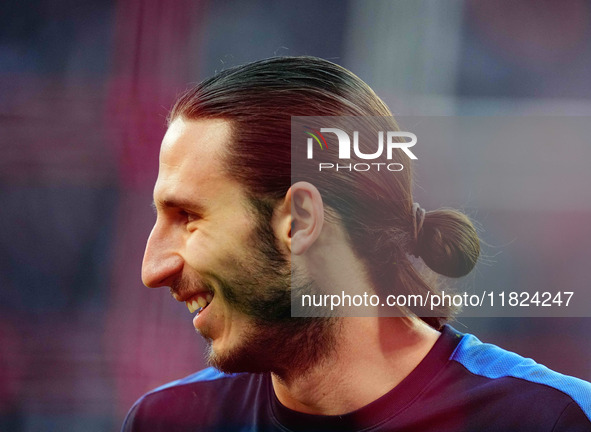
85 89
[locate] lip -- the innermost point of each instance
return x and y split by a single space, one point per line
201 316
194 296
191 296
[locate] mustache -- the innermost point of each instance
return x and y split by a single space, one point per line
185 286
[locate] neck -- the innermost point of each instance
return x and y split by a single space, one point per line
372 357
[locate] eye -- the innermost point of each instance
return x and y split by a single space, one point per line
189 217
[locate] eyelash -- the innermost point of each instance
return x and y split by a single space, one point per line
189 217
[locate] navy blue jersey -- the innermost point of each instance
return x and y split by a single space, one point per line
461 385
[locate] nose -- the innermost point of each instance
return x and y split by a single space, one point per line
162 263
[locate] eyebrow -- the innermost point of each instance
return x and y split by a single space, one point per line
169 203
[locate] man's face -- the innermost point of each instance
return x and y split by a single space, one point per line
207 245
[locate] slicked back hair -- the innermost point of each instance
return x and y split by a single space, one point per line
259 99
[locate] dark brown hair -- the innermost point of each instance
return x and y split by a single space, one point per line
259 100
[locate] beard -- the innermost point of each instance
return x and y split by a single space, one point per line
261 289
288 349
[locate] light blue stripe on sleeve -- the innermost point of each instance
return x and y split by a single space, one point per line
209 374
493 362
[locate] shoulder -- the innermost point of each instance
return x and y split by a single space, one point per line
202 398
520 387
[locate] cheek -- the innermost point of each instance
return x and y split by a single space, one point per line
197 252
218 250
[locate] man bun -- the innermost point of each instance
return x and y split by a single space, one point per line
448 243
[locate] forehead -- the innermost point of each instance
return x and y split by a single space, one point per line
191 160
192 141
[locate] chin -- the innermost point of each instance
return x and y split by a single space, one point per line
288 348
237 360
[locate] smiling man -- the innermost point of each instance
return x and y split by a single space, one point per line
236 236
220 257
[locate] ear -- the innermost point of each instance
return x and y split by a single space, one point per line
302 217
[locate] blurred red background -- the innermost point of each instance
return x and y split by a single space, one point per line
86 87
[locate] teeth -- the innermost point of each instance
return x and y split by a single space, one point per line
199 303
